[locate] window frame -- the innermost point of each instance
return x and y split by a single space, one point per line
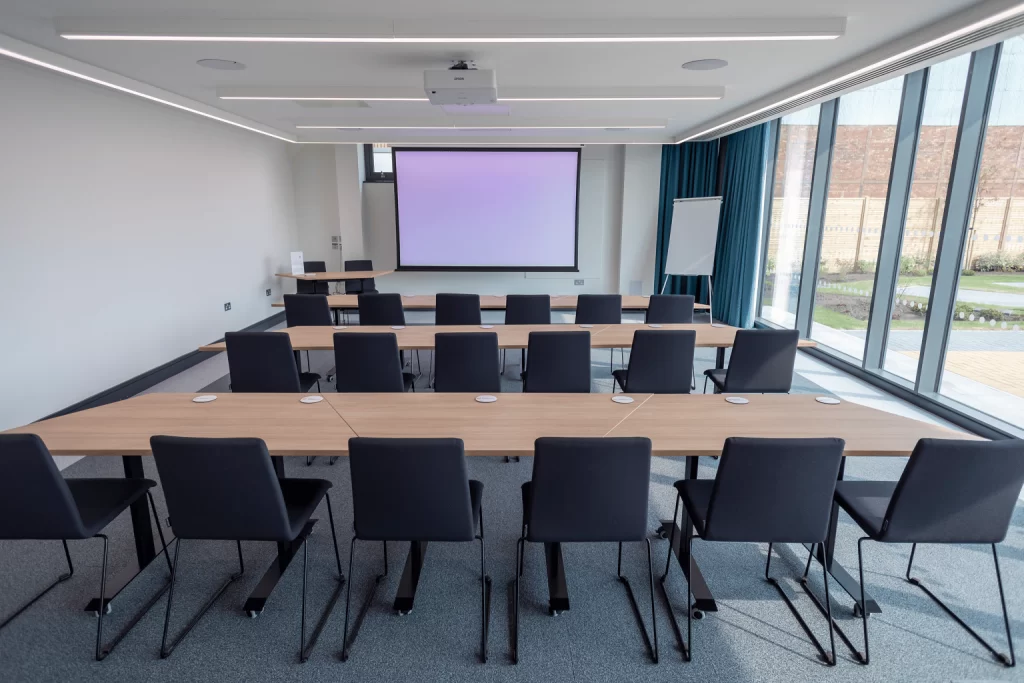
372 176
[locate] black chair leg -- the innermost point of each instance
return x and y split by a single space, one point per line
1006 660
831 661
60 579
866 656
485 595
520 551
306 650
826 611
347 641
165 650
652 646
683 644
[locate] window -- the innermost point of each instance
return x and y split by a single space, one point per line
859 181
940 122
984 365
378 162
794 165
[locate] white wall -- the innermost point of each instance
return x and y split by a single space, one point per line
601 182
317 208
640 193
124 228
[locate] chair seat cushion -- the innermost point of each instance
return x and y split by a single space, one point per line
307 380
717 377
866 502
696 495
620 377
407 379
99 501
301 497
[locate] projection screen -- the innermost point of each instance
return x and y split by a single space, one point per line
487 209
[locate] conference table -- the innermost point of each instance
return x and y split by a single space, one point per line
421 337
691 425
488 302
335 276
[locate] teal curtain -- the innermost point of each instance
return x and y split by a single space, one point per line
687 170
742 190
692 170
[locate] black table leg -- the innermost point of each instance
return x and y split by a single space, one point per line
257 600
702 597
719 357
142 528
558 589
410 577
826 555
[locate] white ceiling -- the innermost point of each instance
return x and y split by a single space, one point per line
756 69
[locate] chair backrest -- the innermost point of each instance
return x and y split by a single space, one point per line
222 489
410 490
307 309
670 308
590 489
261 362
466 361
528 309
312 286
762 361
559 363
35 503
599 309
661 362
457 309
381 309
774 490
955 491
367 362
363 285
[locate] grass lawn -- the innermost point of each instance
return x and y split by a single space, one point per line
982 282
841 321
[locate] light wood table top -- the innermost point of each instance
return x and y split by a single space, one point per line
699 424
123 428
509 426
676 424
337 275
488 302
421 337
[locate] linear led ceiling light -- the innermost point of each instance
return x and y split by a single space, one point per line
457 127
638 98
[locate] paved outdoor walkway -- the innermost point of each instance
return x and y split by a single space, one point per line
998 299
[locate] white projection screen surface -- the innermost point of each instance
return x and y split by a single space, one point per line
487 209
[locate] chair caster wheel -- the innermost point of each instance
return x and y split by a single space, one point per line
253 613
856 610
553 612
403 613
697 614
661 533
108 610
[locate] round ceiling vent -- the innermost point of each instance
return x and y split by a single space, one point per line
221 64
705 64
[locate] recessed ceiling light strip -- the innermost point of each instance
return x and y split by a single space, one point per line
458 127
198 38
98 81
835 84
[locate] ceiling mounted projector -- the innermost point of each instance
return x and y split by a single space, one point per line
461 85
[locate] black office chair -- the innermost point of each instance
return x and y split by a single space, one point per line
526 309
588 490
415 490
658 362
467 361
951 491
37 503
457 309
302 310
559 363
227 490
670 308
312 286
364 286
600 309
369 362
766 491
263 362
761 363
381 309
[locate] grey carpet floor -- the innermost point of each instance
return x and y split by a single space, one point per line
752 637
